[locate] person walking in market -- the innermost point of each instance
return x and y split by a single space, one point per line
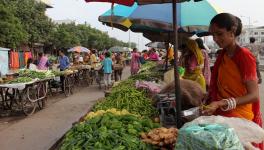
107 67
255 49
206 67
234 84
64 63
193 62
93 59
119 63
135 63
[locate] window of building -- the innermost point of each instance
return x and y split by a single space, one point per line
262 40
262 33
255 33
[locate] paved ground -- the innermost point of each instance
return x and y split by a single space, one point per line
41 130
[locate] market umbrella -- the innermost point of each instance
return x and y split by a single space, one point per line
119 49
79 49
192 17
159 45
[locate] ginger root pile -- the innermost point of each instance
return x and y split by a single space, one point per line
160 136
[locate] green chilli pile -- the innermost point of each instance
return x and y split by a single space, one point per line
109 132
129 98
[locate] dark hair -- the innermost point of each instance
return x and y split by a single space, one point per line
107 54
229 22
199 41
252 40
134 49
29 61
40 54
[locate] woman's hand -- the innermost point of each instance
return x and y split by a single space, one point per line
212 107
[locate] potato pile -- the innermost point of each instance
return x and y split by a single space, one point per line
160 136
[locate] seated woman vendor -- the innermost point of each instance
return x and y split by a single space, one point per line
234 89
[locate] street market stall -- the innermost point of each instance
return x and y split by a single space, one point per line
132 117
24 93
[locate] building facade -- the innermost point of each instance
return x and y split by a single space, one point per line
256 32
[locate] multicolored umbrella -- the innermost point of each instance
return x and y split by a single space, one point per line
191 17
79 49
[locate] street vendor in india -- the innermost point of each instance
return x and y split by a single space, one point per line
234 86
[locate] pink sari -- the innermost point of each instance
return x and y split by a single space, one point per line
135 64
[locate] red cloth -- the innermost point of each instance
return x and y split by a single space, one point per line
245 62
14 60
122 2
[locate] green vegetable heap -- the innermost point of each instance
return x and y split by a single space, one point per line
35 74
20 80
125 96
109 132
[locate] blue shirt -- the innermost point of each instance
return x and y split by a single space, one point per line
107 64
64 62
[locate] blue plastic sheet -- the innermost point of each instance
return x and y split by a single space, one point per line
207 137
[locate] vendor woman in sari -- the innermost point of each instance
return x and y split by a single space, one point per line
234 88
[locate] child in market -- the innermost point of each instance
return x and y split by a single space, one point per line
107 67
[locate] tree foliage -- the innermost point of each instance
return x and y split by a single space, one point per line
25 22
12 32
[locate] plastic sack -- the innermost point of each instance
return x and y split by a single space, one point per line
207 137
152 87
247 131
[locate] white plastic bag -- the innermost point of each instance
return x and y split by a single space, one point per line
246 130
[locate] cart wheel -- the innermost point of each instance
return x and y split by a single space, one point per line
42 103
67 86
28 107
42 92
86 78
72 85
9 98
98 81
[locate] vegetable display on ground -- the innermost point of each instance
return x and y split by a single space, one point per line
109 131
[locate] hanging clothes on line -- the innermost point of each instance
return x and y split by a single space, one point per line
21 59
14 60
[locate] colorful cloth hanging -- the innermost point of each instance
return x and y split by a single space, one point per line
21 59
14 60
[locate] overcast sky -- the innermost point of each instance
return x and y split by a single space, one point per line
78 10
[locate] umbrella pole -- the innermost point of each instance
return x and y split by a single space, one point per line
176 75
167 54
